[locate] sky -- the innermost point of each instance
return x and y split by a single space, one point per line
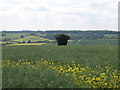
58 15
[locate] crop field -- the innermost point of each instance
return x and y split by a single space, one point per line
101 42
28 44
52 66
32 38
14 36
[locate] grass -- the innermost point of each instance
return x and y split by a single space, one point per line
111 36
14 36
89 55
100 42
45 74
29 77
52 66
3 42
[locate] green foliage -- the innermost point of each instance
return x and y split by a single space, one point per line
21 36
5 39
29 41
23 41
62 36
62 39
14 77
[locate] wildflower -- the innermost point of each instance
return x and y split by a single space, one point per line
78 64
102 74
98 79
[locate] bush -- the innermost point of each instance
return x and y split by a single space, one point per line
6 39
23 41
29 41
21 36
62 39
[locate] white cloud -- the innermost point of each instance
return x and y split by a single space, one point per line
58 14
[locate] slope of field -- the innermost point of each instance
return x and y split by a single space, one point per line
13 36
32 38
111 36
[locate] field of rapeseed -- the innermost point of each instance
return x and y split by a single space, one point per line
50 66
27 44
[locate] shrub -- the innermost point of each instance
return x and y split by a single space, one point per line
21 36
23 41
29 41
62 39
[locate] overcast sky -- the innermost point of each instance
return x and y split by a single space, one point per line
59 14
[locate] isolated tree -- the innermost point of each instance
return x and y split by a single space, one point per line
5 39
23 41
21 36
29 41
3 34
62 39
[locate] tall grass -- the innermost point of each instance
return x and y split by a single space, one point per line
51 66
89 55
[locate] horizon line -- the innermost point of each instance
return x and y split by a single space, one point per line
65 30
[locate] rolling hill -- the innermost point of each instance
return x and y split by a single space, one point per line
32 39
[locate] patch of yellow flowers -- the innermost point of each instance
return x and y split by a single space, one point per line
22 44
81 76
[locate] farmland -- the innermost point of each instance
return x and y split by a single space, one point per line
80 64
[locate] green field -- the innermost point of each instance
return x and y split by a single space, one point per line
14 36
90 60
52 66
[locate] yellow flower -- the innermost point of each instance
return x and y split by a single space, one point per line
28 62
94 86
102 74
93 78
98 79
61 69
78 64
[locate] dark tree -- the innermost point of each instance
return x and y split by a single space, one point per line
3 34
29 41
33 34
23 41
5 39
62 39
21 36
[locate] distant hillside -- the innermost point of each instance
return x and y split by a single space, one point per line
32 39
76 37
